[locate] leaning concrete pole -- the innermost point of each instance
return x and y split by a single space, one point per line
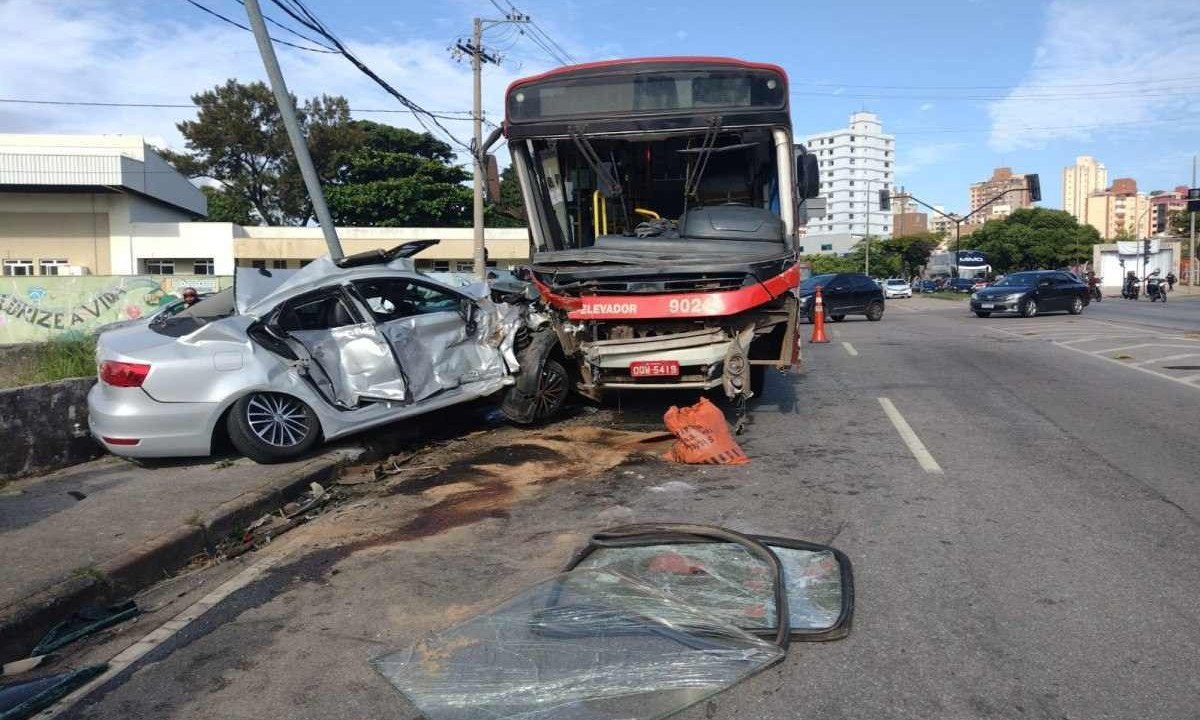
288 111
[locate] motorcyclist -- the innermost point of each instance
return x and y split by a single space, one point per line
1093 284
1131 284
1171 281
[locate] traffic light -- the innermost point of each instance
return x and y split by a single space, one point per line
1146 247
1193 204
1034 185
885 200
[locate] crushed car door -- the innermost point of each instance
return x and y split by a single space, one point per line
348 350
440 337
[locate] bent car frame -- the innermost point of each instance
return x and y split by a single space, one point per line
286 359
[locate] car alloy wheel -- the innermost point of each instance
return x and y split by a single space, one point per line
551 391
1030 308
277 420
1076 306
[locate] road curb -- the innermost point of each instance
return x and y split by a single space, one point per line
22 624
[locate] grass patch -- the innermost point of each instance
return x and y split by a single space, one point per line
944 295
59 359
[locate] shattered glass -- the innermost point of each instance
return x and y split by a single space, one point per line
585 644
726 580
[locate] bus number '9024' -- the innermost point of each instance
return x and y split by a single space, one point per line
693 306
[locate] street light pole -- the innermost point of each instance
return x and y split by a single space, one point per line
287 110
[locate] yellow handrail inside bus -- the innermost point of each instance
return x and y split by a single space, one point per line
599 214
648 213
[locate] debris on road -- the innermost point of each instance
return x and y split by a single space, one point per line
22 699
17 667
646 621
82 623
704 437
270 526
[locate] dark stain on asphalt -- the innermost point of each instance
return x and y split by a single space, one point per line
471 506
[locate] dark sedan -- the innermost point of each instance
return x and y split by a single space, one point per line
1031 293
959 285
843 294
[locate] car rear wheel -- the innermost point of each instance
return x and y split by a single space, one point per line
1076 306
983 314
1029 308
837 318
272 427
875 311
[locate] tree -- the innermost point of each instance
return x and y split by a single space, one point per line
912 251
1033 238
238 139
398 177
224 206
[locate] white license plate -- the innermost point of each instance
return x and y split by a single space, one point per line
986 306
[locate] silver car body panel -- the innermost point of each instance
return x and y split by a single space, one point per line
401 368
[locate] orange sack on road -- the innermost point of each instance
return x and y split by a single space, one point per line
704 436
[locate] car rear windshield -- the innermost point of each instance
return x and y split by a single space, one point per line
811 284
213 307
1018 280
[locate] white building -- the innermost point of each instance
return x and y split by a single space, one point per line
856 162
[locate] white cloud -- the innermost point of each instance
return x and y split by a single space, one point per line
1088 45
919 157
681 34
101 50
926 107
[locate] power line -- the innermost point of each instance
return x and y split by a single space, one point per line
237 24
280 25
301 14
1190 78
1110 95
442 114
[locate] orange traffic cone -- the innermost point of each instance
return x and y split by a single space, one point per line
818 334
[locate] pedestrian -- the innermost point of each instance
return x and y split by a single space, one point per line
190 296
1171 281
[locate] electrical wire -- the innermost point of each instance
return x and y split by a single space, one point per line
301 14
1190 78
235 23
441 114
280 25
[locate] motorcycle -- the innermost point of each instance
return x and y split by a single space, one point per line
1156 288
1130 290
1094 289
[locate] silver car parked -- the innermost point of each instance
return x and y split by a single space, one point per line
288 358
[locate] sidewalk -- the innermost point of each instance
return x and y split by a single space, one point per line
105 529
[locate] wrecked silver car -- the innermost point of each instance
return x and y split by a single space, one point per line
286 359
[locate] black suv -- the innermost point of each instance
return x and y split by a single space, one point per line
842 294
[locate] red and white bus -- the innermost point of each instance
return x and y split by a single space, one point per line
663 197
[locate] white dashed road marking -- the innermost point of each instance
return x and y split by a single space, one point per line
850 349
915 446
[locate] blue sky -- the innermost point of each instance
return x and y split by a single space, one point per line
965 85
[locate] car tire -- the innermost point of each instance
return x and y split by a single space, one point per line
983 314
1076 306
554 385
875 311
1029 308
837 318
272 427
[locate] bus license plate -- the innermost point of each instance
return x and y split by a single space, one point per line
654 368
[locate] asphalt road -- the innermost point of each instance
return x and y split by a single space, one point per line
1180 312
1050 571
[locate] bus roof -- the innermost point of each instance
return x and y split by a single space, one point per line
765 101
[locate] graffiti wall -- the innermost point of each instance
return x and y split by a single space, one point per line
38 308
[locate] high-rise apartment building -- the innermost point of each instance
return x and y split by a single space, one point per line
1002 180
1080 180
856 162
1119 211
1162 205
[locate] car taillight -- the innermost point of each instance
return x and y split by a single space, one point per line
123 374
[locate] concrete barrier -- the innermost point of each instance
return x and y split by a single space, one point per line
44 427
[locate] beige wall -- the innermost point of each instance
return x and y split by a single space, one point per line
79 238
1112 214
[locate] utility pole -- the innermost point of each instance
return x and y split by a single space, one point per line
1193 267
477 155
287 111
479 56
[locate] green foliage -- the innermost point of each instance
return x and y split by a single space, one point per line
70 356
225 206
1033 238
238 138
910 251
891 257
397 177
822 264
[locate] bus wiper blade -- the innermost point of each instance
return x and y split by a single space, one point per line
608 182
691 184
